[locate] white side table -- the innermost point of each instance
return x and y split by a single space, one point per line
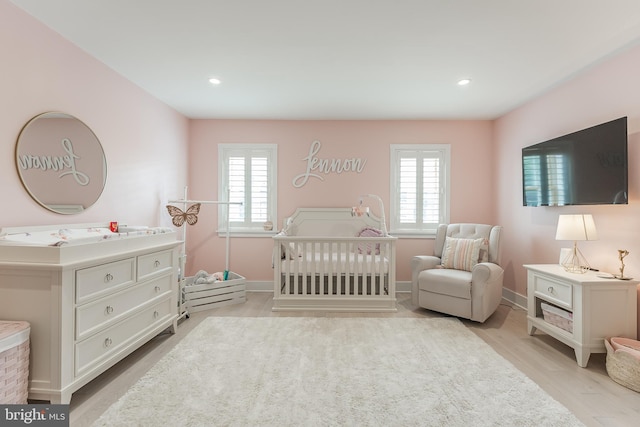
601 307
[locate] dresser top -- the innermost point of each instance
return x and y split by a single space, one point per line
588 277
70 243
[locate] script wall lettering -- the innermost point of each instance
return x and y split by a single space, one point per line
316 167
56 163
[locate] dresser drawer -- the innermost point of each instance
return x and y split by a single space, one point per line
103 279
98 314
94 350
154 264
560 293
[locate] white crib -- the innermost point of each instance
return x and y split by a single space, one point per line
320 263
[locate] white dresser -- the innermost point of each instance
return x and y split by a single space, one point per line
600 307
89 304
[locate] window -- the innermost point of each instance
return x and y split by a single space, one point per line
419 188
247 176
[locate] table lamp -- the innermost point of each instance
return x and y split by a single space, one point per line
576 227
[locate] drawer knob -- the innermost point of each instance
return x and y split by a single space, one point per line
107 342
156 263
157 288
108 277
108 309
550 289
156 314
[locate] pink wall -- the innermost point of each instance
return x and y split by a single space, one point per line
607 91
145 142
471 178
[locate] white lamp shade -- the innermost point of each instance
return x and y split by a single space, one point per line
576 227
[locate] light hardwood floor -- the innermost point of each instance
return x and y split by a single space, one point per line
588 392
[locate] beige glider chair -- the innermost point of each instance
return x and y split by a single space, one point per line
463 278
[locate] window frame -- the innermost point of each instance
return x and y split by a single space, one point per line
225 151
443 153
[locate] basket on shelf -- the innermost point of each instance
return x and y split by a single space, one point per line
14 362
557 317
623 361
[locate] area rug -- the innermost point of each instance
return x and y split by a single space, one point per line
288 371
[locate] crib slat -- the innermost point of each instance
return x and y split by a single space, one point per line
360 271
327 268
379 272
313 269
277 264
287 274
370 255
304 276
336 261
347 269
330 273
296 270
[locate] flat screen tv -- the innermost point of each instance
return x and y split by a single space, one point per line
588 167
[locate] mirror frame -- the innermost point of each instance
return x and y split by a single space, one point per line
61 163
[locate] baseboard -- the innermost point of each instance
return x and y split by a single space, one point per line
260 286
515 298
403 287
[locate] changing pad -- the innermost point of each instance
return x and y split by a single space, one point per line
72 243
73 236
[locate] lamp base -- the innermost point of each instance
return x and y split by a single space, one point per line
575 262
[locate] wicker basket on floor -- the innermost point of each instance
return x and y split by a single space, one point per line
623 367
14 362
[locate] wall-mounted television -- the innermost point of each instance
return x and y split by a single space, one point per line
587 167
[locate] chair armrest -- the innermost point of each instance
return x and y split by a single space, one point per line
486 290
484 272
424 262
418 264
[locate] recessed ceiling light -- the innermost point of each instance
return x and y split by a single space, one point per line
214 81
464 82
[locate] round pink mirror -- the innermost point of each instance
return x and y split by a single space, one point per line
61 163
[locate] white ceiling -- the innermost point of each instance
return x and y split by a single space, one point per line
344 59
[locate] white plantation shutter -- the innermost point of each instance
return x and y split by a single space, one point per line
259 189
408 177
236 185
431 190
419 186
247 174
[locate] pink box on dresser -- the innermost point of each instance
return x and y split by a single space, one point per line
14 362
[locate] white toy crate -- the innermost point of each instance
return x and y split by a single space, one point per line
14 362
217 294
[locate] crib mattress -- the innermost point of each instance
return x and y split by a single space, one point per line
336 263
